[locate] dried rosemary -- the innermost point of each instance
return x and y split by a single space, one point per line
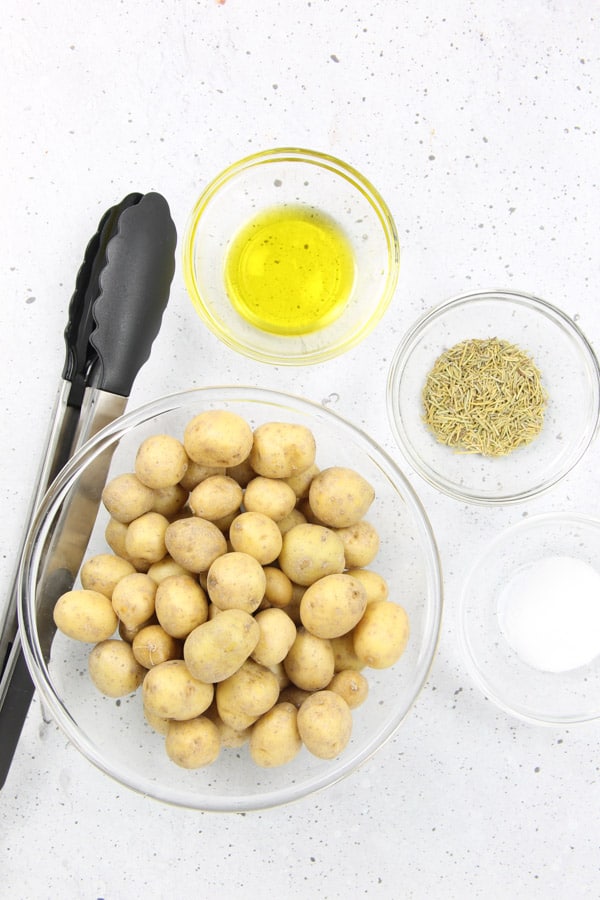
484 396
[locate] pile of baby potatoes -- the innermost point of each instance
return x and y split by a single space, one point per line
240 590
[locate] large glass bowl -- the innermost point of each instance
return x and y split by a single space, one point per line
316 183
569 373
112 734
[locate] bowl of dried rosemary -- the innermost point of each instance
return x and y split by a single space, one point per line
494 396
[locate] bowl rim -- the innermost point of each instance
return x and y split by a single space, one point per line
293 350
537 305
475 670
59 490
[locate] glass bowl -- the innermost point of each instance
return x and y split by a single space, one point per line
113 734
569 373
529 667
309 185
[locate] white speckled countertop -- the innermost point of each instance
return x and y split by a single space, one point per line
479 123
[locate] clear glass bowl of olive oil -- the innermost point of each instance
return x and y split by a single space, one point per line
291 256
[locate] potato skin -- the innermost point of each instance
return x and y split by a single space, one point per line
275 739
375 584
216 497
325 724
152 645
102 572
161 461
309 552
361 543
252 690
194 543
145 538
171 692
133 599
126 498
333 605
85 615
277 634
381 636
281 449
256 534
236 581
351 685
114 669
216 649
340 497
194 743
218 437
181 605
270 496
310 662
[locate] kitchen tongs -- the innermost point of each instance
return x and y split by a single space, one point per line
115 313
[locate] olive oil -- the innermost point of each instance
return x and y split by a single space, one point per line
290 270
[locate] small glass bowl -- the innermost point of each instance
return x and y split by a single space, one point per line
113 734
570 376
533 695
291 177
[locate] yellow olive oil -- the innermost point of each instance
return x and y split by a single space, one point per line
290 270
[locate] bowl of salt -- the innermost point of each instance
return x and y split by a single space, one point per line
530 619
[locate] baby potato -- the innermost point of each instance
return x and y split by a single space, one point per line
351 685
270 496
361 543
85 615
170 691
218 437
309 663
216 649
242 473
152 645
296 517
375 584
340 497
344 655
257 535
277 634
325 724
251 690
309 552
164 568
133 599
145 538
126 498
169 501
300 483
102 572
181 605
114 534
114 669
194 543
275 739
333 605
381 636
278 587
157 723
194 743
161 461
281 449
216 497
128 634
229 737
197 473
294 695
236 581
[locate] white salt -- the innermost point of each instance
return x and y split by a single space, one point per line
550 614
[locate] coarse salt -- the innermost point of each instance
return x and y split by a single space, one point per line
550 614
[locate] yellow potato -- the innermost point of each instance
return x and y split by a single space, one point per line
282 450
236 581
309 663
114 669
171 692
126 498
325 724
165 568
340 497
344 655
294 695
193 744
381 636
115 533
278 587
197 473
216 497
161 461
102 572
333 605
300 483
157 723
216 649
128 634
152 645
194 543
251 690
133 599
145 538
275 739
229 737
181 605
270 496
375 584
242 473
310 552
218 437
85 615
351 685
169 501
277 634
257 535
296 517
361 543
